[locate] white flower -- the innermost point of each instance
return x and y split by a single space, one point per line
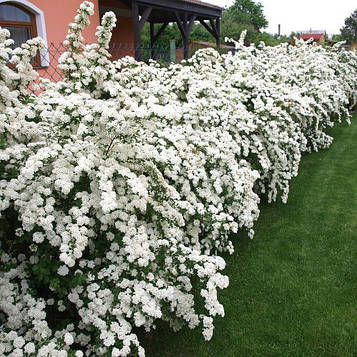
63 270
18 342
68 338
29 348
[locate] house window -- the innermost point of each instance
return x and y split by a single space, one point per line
21 23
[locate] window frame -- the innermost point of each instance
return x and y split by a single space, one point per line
36 62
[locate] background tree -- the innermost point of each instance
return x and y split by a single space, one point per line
337 37
349 31
247 12
232 29
246 15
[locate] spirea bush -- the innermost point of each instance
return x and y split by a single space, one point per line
120 186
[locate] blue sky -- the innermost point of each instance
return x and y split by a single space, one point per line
298 15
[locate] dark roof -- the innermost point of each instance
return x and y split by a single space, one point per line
164 10
206 4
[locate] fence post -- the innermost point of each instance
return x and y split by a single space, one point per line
173 51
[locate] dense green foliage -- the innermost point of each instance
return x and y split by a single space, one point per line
244 14
248 12
293 287
349 30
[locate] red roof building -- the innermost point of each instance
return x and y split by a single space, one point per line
318 37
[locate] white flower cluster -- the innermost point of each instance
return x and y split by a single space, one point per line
119 185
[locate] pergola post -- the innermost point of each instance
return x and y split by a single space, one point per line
218 30
152 34
137 39
154 37
138 24
185 27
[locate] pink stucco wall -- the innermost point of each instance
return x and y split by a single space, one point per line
122 42
58 14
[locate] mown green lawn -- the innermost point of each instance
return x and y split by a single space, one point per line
293 288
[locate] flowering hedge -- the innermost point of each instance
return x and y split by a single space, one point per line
120 186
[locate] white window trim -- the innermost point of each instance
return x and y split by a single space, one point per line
40 26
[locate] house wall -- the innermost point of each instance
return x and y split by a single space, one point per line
122 42
57 16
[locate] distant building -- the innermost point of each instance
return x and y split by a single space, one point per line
318 36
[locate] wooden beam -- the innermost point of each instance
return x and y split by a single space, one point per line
213 26
144 18
179 5
138 24
161 30
206 26
152 35
185 38
185 22
185 48
182 29
218 29
190 24
180 24
136 29
185 27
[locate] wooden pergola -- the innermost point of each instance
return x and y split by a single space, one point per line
182 12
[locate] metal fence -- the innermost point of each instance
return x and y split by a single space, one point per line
48 59
47 63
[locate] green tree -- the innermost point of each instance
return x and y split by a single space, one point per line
283 38
337 37
232 29
247 12
243 14
349 31
267 38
